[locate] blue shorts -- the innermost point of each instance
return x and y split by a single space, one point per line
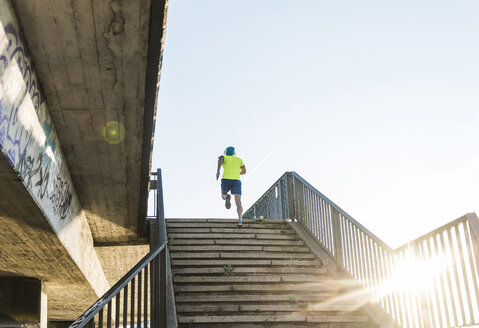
233 185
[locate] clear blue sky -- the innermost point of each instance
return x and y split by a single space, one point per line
375 103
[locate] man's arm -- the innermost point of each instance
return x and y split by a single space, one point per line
220 162
243 170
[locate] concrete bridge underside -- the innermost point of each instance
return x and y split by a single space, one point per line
78 89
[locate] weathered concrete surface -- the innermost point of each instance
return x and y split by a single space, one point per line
91 59
68 179
118 260
31 248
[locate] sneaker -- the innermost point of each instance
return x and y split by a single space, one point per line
228 201
240 223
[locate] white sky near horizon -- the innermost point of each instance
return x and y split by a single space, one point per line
374 103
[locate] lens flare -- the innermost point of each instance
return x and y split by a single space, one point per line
114 132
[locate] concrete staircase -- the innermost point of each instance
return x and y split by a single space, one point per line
261 275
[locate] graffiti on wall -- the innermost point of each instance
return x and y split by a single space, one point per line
27 136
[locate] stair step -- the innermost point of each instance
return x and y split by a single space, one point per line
275 281
197 248
224 225
269 318
214 248
321 297
231 230
255 287
269 221
239 255
177 241
304 307
250 279
231 236
247 270
222 262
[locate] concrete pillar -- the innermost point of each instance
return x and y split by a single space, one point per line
22 302
43 306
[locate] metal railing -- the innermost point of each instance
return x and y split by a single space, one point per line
429 282
139 299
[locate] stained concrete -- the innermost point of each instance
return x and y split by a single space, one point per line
91 59
69 72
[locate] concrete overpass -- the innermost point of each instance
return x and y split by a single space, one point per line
78 89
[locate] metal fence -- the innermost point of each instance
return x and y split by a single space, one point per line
139 299
430 282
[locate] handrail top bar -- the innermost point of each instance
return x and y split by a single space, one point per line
267 192
336 207
343 212
102 301
470 217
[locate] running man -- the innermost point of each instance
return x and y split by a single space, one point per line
233 167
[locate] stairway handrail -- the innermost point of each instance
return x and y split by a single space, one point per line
117 288
339 209
366 258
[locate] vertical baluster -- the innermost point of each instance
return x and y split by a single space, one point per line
444 283
328 230
397 294
301 204
125 306
474 272
108 315
353 251
140 279
317 227
382 279
312 223
430 320
388 261
321 216
100 319
145 295
307 221
117 310
411 300
132 303
162 281
364 260
464 279
420 297
346 255
155 295
402 293
456 275
347 228
328 227
357 236
374 268
362 265
339 244
355 247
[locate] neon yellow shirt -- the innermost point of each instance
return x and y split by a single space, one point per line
232 167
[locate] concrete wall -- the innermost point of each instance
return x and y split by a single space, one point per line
29 141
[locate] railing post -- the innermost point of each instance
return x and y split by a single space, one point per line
160 212
290 200
337 241
163 300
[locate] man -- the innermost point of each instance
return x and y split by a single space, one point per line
233 167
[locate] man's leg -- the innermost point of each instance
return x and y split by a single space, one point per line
224 193
239 207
